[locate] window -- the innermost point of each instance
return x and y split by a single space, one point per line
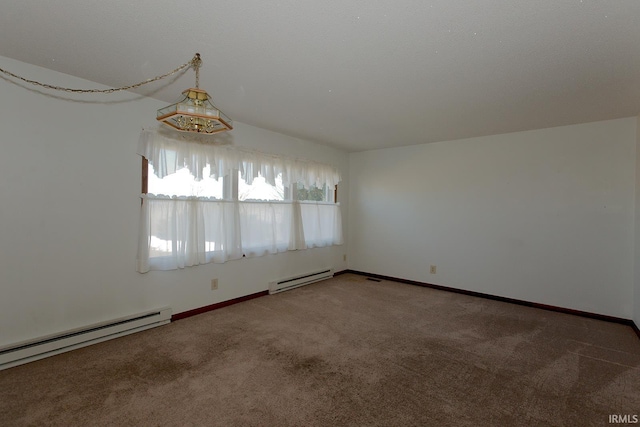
260 189
313 193
205 203
183 183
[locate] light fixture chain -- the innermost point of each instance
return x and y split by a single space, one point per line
194 62
197 62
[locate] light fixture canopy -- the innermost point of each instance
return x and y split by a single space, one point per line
195 112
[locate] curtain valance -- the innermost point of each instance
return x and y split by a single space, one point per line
168 155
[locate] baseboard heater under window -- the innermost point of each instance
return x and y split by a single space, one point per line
28 351
300 280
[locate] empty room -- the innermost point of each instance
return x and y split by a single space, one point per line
329 213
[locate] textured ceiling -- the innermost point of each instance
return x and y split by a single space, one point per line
356 75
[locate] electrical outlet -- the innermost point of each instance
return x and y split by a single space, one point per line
214 284
344 257
432 270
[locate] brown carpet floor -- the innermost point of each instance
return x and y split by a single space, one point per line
343 352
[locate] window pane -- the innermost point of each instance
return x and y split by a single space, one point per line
183 183
260 189
313 193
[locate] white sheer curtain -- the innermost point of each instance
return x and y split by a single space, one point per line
178 232
182 232
265 227
322 224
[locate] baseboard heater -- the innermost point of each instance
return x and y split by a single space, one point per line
300 280
28 351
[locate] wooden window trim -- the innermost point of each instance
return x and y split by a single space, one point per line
145 175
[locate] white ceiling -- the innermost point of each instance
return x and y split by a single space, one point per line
352 74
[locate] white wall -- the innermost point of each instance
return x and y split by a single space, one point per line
636 293
544 216
69 191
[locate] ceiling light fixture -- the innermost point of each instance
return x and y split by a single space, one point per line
195 112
